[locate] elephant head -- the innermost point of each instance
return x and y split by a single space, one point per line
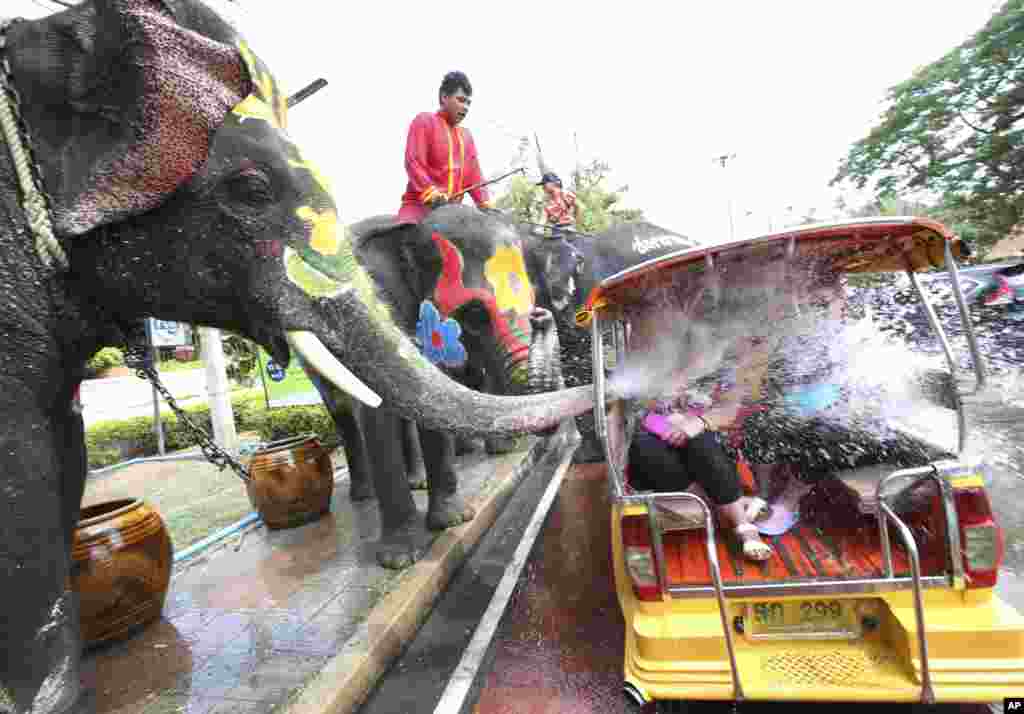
567 270
460 283
181 195
146 169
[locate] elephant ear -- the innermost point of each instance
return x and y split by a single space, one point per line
121 102
403 259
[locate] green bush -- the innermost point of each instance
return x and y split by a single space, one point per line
104 440
105 359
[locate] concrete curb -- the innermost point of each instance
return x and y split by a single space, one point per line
347 679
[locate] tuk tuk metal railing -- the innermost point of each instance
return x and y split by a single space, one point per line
941 472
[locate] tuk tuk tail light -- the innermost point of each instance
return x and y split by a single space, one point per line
639 556
981 539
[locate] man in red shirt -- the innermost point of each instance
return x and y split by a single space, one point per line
561 211
440 156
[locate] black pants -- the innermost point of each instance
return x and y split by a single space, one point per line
657 466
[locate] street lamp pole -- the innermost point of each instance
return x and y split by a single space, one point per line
722 160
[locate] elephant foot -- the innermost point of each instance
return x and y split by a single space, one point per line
499 445
360 491
397 548
448 512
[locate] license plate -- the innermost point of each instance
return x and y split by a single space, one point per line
803 619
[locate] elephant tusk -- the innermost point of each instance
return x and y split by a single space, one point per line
319 358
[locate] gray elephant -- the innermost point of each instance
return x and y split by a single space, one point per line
459 283
150 173
566 270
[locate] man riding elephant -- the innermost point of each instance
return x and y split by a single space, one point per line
440 156
460 284
146 170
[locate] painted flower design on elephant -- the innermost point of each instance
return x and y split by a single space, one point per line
439 338
506 272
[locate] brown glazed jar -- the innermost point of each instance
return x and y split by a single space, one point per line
291 481
121 568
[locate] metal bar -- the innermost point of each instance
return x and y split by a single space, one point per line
651 502
977 361
661 569
933 320
946 470
883 535
616 479
927 693
810 587
309 90
883 525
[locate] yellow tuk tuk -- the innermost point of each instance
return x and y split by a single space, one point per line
889 615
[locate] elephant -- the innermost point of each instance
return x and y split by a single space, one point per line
146 170
458 282
566 270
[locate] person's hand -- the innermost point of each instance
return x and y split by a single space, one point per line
683 428
437 200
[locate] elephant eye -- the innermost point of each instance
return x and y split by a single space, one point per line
251 187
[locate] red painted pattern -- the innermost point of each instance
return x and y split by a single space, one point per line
451 294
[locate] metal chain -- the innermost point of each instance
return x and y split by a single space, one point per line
135 357
7 83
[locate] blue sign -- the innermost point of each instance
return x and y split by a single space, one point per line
274 371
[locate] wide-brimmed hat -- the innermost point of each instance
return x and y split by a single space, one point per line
549 178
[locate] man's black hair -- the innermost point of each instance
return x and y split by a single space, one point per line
453 82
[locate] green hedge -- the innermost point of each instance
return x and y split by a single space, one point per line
105 359
109 442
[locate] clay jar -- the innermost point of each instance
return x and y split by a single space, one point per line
122 558
291 481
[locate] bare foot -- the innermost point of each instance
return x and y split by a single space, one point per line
753 547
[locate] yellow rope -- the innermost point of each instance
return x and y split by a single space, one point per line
33 202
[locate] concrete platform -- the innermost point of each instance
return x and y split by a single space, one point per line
300 621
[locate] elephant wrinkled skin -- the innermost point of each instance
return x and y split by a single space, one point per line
458 282
176 192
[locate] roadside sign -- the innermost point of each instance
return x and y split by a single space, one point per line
286 387
165 333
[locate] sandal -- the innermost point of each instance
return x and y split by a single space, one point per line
753 547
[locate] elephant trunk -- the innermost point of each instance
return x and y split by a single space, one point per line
545 374
389 363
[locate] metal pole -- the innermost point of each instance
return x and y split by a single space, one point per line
722 160
221 416
158 427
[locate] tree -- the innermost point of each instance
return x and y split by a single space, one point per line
598 210
954 130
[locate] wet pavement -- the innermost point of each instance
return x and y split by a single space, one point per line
251 624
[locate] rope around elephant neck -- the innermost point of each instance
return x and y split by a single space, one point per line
15 135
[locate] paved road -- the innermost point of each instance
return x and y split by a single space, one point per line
558 645
125 397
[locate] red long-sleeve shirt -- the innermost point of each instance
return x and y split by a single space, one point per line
439 158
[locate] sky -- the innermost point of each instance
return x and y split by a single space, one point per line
655 89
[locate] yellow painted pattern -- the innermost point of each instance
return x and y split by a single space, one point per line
322 180
312 281
451 159
462 157
325 239
267 102
506 272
